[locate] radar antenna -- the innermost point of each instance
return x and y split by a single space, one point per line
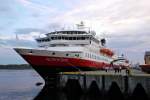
81 25
103 42
103 38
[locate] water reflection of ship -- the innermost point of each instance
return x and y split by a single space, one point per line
53 91
48 93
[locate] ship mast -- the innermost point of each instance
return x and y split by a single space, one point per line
81 25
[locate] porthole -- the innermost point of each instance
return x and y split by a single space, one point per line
53 53
67 54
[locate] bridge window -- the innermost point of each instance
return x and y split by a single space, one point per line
86 38
63 38
38 41
74 38
56 38
66 38
46 40
83 38
52 38
70 38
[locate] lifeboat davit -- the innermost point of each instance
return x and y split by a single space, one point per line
106 51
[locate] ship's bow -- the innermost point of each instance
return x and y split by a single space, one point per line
44 62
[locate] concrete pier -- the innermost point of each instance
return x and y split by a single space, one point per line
109 84
102 85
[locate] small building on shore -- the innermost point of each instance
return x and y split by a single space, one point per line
146 66
147 57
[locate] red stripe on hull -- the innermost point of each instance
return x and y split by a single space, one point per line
62 62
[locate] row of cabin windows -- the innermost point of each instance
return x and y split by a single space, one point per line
69 32
69 38
44 40
89 55
63 38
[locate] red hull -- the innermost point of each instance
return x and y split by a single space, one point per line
45 65
53 62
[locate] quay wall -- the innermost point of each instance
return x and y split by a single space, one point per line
116 85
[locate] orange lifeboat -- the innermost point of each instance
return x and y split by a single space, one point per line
106 51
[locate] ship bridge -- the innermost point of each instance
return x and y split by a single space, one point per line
68 38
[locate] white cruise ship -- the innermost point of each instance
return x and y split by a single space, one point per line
69 50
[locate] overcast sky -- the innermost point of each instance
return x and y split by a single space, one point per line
124 23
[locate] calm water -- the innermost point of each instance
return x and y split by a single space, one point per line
19 84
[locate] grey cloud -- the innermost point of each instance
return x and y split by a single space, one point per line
54 26
2 27
15 43
118 43
7 7
36 15
133 49
28 30
8 13
128 40
128 35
